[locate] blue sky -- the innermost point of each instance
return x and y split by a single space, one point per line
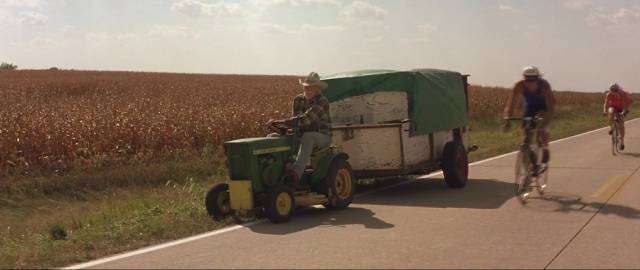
579 44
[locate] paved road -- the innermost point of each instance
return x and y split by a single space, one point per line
589 219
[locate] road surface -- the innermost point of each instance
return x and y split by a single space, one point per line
589 219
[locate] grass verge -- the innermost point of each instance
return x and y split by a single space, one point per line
86 216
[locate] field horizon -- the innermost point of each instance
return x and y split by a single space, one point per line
302 75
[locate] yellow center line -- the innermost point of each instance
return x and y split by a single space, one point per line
608 188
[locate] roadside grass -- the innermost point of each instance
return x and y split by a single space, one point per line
45 233
486 131
90 214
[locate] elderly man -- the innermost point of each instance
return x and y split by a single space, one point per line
311 115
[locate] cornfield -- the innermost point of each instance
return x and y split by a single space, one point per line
58 120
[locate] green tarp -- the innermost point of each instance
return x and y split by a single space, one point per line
436 97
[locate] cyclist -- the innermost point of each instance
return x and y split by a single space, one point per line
538 100
617 101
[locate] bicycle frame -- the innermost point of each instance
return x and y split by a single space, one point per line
528 158
615 132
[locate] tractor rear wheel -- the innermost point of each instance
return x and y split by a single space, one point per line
339 185
217 201
280 204
455 164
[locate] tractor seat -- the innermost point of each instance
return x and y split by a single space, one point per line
319 151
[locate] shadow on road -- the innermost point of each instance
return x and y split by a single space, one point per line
631 154
433 192
312 217
564 202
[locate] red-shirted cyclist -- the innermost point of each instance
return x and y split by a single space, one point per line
617 101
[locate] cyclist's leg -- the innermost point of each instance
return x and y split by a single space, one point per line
543 134
610 112
621 129
527 131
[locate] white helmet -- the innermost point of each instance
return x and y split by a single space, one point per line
531 71
614 86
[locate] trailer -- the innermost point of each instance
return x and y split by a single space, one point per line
394 123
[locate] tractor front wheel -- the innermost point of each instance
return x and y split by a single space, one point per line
339 185
217 201
280 204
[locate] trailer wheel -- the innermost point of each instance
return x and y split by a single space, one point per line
217 201
339 185
280 204
455 164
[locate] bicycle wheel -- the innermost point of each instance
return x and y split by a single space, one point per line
522 172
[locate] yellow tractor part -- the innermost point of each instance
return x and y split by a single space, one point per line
343 183
241 195
284 204
306 199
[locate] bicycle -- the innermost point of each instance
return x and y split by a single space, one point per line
530 171
616 138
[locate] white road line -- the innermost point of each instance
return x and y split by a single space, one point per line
236 227
161 246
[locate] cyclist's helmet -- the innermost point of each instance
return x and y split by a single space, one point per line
614 87
531 73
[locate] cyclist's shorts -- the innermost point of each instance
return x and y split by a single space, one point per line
616 110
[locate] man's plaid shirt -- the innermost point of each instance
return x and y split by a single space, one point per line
312 115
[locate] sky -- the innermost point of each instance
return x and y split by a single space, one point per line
580 45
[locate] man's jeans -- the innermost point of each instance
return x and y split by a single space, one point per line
309 141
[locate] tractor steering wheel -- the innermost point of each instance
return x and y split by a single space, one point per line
279 127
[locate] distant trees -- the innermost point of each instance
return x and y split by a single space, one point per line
8 66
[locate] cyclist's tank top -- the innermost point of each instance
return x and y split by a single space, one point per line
618 100
534 100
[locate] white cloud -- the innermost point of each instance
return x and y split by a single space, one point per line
32 18
578 4
295 3
70 31
197 8
21 3
373 39
419 40
321 2
25 17
321 28
101 36
170 31
426 28
360 11
622 17
303 29
45 42
508 9
277 29
424 33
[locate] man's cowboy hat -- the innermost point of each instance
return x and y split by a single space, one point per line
313 80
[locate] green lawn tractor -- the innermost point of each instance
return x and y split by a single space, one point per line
260 184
